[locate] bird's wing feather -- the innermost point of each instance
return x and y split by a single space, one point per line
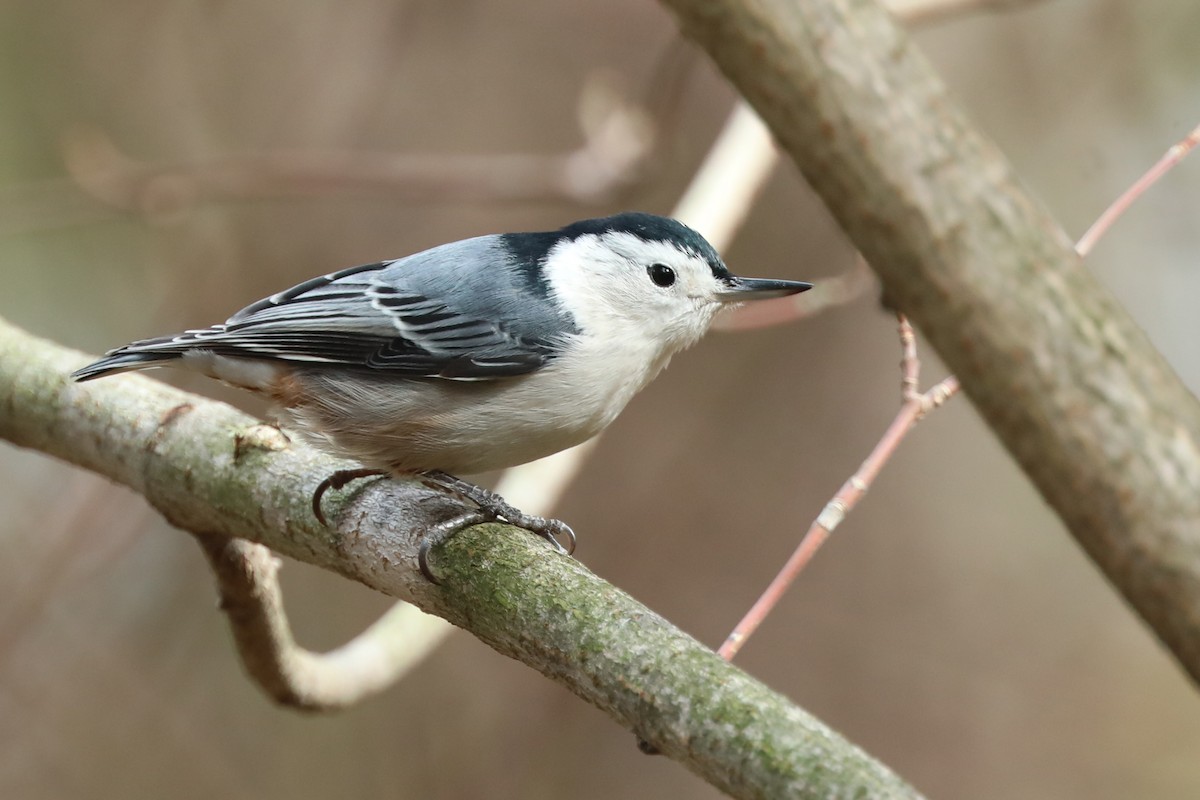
380 317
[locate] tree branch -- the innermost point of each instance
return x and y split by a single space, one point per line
213 470
1087 406
248 577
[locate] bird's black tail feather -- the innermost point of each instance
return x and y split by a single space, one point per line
122 361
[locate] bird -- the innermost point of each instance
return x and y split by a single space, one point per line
471 356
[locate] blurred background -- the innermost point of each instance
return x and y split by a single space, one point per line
163 164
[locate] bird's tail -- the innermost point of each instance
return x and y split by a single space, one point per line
141 354
123 361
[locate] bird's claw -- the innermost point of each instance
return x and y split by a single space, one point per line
336 481
552 530
440 533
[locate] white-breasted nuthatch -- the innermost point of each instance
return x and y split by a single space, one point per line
473 355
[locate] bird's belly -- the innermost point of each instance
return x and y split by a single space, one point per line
460 427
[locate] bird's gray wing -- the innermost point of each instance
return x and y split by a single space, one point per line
400 317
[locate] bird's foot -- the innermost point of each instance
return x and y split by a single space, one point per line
496 507
490 506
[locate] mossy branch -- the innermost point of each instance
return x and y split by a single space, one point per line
212 470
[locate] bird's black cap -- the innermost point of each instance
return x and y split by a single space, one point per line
652 228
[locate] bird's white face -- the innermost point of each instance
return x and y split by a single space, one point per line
620 285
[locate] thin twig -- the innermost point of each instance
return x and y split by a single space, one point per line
1173 156
915 406
248 576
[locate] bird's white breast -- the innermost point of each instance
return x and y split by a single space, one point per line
473 426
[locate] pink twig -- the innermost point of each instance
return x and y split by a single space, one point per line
916 405
1105 221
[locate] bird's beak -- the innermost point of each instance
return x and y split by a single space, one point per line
739 290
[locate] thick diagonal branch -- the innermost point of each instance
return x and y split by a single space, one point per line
1073 388
210 469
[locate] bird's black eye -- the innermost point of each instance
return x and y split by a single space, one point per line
661 274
